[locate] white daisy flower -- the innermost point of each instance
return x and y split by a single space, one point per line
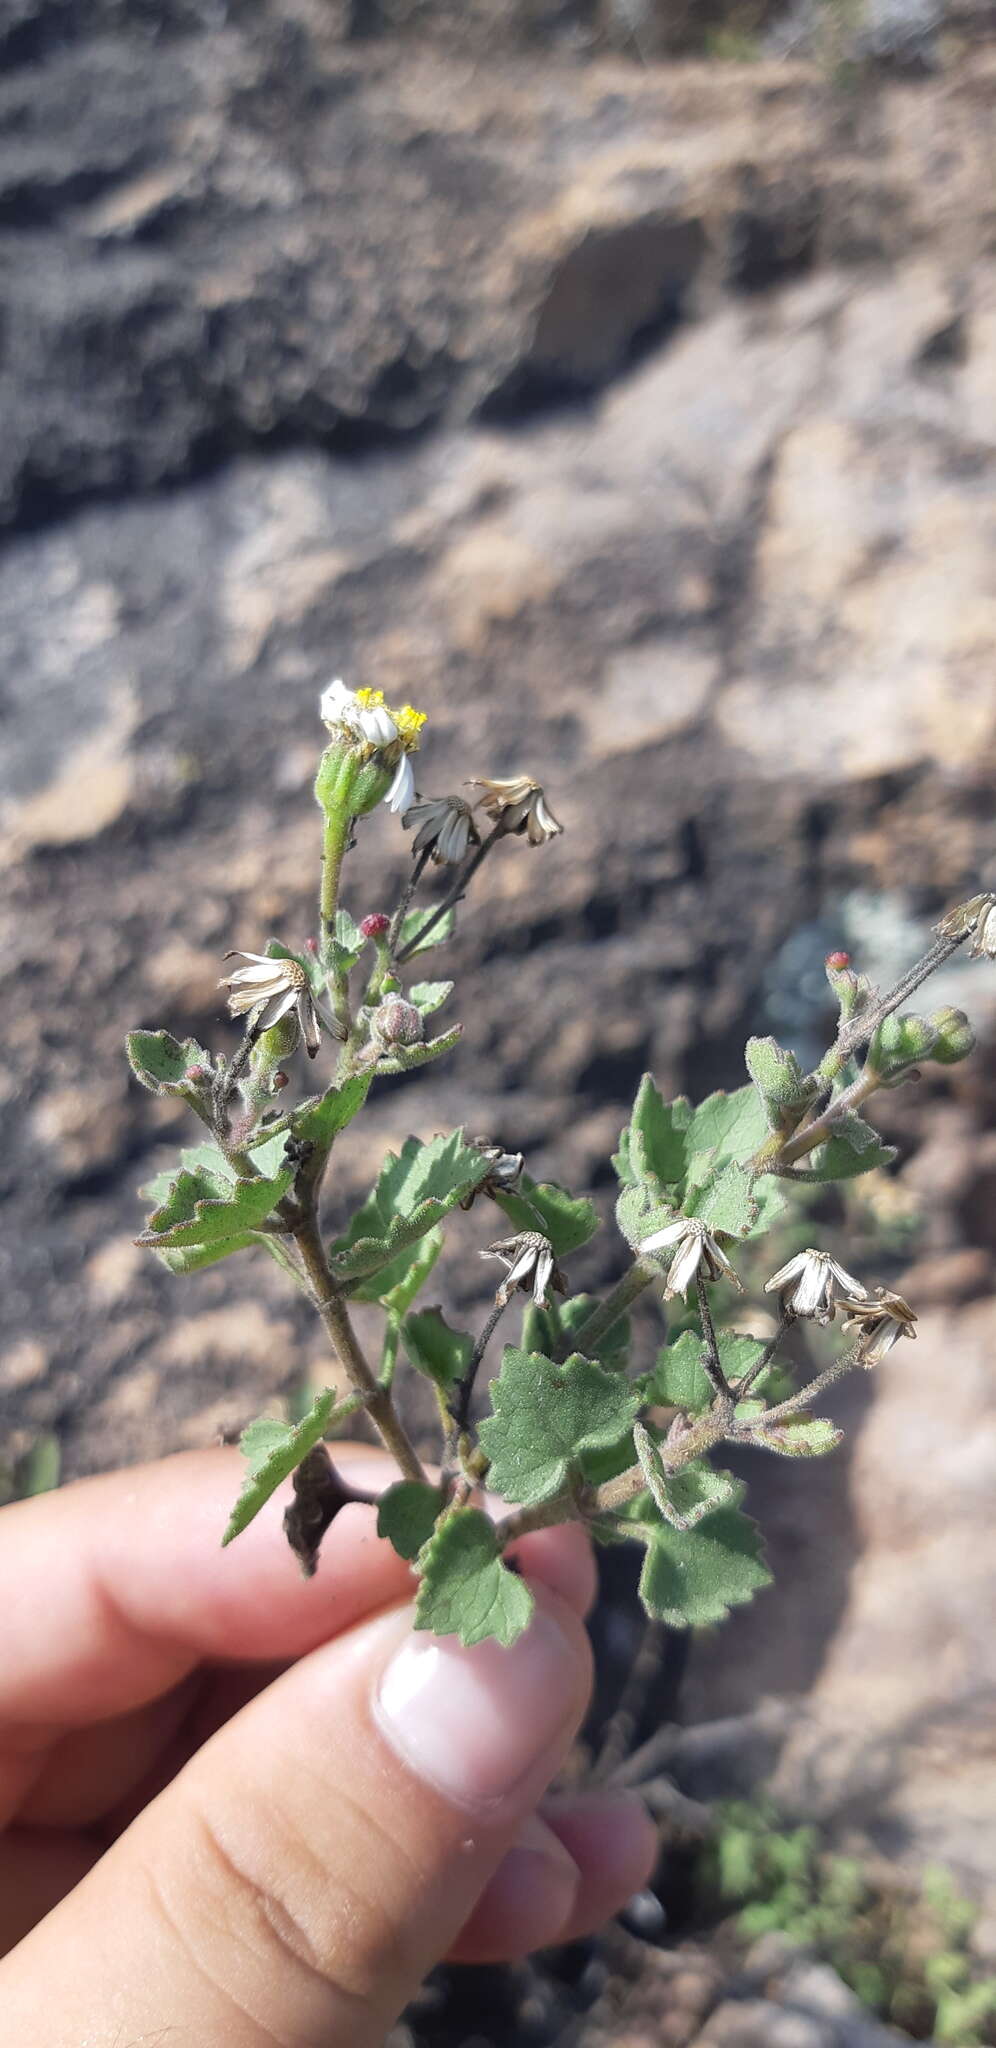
267 990
444 826
881 1318
518 805
693 1246
812 1284
401 794
363 713
531 1266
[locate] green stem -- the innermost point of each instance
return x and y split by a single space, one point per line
805 1399
335 840
822 1127
862 1029
335 1320
452 896
595 1327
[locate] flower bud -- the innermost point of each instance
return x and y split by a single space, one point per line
955 1037
376 926
853 991
838 960
196 1074
901 1043
311 946
396 1022
279 1080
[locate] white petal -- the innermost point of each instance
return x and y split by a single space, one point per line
247 977
402 790
786 1273
277 1007
541 1279
375 724
846 1280
336 702
452 842
684 1266
813 1290
669 1235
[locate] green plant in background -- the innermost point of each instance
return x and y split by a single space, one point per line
37 1470
574 1432
904 1951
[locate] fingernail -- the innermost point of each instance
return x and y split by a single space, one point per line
473 1722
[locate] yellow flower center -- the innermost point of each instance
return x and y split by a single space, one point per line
409 723
371 700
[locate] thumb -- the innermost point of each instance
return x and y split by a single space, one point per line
312 1862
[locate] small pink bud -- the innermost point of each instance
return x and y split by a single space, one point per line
196 1074
838 961
396 1022
376 925
280 1080
311 945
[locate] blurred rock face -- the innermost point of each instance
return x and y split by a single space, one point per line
639 424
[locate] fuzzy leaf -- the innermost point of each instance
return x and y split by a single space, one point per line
429 996
465 1589
778 1077
206 1160
545 1416
160 1062
678 1379
693 1577
195 1215
556 1327
414 1190
407 1516
437 937
441 1353
652 1147
799 1436
639 1214
854 1148
728 1126
568 1223
418 1262
320 1122
403 1058
273 1451
726 1204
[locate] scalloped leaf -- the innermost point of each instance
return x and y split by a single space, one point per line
404 1058
799 1436
407 1516
438 936
273 1450
414 1190
854 1148
678 1379
195 1215
417 1263
555 1328
545 1416
321 1121
465 1588
567 1221
160 1061
653 1149
726 1205
693 1577
434 1348
429 996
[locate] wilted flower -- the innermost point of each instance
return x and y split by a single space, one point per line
977 916
268 990
377 729
881 1318
693 1246
504 1169
812 1284
531 1266
444 826
518 805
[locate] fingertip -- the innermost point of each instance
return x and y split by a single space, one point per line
561 1559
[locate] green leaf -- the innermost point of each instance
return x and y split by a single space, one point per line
568 1223
555 1328
197 1215
639 1214
207 1160
799 1436
414 1190
726 1204
273 1450
319 1123
420 1261
407 1516
160 1061
40 1469
728 1126
429 996
545 1416
854 1148
403 1058
437 937
652 1147
465 1589
693 1577
780 1081
678 1379
441 1353
687 1496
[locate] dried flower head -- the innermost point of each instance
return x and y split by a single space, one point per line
268 990
504 1169
444 826
693 1246
881 1318
518 805
812 1284
977 916
531 1265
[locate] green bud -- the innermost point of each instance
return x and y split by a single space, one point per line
901 1043
783 1087
351 781
853 991
955 1037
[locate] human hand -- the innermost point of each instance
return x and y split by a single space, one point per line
244 1809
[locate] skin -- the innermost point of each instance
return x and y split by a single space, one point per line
205 1837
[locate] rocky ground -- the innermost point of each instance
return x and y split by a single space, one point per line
637 420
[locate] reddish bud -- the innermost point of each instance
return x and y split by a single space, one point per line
196 1074
311 945
838 960
280 1080
376 925
396 1022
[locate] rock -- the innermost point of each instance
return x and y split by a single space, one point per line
756 2023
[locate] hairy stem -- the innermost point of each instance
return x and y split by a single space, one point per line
863 1028
604 1318
452 896
335 1321
463 1392
822 1127
805 1398
750 1379
710 1362
408 892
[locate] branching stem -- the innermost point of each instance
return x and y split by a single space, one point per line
452 896
335 1320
